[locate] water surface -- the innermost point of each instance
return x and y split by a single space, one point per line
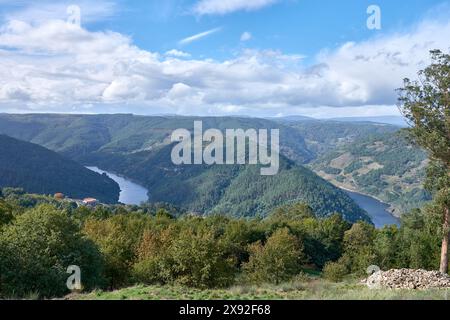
377 210
130 192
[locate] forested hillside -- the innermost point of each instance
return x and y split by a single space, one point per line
139 147
384 165
38 170
77 136
237 190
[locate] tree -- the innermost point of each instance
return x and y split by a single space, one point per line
199 259
278 260
117 238
6 213
426 105
36 249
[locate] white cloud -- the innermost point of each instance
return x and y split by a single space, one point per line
58 67
177 54
198 36
221 7
246 36
90 11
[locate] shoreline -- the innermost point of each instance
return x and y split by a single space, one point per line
108 173
388 209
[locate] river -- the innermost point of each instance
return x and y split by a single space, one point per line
130 192
377 210
134 194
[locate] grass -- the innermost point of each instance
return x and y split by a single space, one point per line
314 289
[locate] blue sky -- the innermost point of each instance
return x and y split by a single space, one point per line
293 26
251 57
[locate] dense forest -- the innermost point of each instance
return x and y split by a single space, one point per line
139 148
117 246
39 170
121 141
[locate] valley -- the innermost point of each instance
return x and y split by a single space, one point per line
359 156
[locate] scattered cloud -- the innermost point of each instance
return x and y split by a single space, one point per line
28 11
222 7
246 36
177 54
58 67
198 36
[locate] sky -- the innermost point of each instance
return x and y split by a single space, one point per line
318 58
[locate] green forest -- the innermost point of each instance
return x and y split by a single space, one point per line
120 246
39 170
139 148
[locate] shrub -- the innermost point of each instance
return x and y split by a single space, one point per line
335 271
200 260
36 250
189 256
117 238
153 255
278 260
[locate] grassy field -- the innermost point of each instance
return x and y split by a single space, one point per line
311 290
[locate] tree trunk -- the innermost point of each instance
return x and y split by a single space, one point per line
445 240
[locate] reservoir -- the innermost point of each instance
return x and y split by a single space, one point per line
134 194
130 192
377 210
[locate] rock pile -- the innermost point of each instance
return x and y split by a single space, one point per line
408 279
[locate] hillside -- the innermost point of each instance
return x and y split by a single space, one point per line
38 170
77 136
236 190
382 165
325 136
139 147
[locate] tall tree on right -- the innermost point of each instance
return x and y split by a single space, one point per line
426 105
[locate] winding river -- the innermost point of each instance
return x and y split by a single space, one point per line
377 210
134 194
130 192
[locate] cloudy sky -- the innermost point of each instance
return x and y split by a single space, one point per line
214 57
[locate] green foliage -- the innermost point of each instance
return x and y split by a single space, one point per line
117 238
426 104
36 251
335 271
6 213
125 245
384 165
38 170
359 252
138 148
199 260
278 260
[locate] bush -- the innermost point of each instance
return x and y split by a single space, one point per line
192 256
117 238
36 250
335 271
153 256
199 260
278 260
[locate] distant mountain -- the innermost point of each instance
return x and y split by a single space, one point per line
392 120
39 170
324 136
77 136
292 119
